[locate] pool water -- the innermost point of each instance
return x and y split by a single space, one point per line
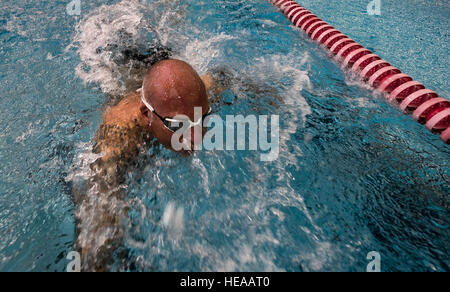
354 174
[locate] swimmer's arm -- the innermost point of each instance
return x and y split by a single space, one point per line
100 211
101 207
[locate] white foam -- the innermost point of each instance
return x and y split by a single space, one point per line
201 53
197 163
279 67
173 220
100 28
142 22
30 131
80 168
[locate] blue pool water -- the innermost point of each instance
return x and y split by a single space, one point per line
354 175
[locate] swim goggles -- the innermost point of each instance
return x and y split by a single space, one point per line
173 124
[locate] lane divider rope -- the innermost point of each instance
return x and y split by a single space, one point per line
410 96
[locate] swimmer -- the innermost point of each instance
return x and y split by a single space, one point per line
170 88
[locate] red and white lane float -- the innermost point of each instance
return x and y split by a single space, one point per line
411 96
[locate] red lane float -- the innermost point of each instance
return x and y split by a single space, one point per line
411 96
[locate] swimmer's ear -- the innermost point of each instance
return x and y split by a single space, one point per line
145 112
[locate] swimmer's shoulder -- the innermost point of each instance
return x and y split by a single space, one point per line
208 81
126 113
212 86
122 131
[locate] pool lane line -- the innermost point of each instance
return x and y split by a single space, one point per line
410 96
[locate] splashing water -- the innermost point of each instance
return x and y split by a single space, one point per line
353 174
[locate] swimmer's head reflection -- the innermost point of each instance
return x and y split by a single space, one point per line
170 89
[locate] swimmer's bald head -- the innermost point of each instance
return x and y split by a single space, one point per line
172 87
